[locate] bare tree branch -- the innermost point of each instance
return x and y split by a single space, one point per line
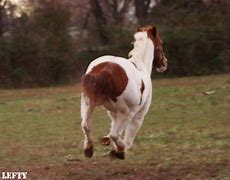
119 15
108 13
2 7
142 10
86 20
113 4
125 6
100 19
4 4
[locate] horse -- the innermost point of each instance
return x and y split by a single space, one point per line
124 88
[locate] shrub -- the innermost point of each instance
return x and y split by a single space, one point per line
196 39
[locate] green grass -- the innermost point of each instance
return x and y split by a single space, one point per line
185 130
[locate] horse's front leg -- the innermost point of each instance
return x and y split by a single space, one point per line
132 130
119 122
134 125
86 111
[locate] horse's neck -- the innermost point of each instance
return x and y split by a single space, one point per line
144 60
148 57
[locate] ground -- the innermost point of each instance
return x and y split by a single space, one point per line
184 136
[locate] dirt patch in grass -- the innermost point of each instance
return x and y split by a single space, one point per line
115 169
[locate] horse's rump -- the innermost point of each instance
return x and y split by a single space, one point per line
105 81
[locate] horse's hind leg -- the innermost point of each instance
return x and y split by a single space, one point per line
86 111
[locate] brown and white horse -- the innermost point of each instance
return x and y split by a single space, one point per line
124 88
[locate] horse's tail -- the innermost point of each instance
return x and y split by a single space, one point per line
96 86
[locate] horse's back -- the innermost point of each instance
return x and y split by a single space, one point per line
132 73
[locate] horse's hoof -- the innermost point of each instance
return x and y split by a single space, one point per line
118 155
105 141
88 152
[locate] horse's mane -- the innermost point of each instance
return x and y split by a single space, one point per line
137 53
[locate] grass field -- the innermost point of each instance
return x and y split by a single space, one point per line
186 134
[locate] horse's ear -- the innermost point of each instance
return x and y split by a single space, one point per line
153 31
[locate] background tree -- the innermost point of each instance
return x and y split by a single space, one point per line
100 19
38 48
109 13
142 9
3 9
196 36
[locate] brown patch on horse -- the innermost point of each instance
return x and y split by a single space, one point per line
105 81
159 56
142 90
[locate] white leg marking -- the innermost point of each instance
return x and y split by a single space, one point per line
86 111
131 131
119 122
134 125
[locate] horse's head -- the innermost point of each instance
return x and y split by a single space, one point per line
160 62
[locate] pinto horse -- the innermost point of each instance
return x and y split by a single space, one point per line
124 88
